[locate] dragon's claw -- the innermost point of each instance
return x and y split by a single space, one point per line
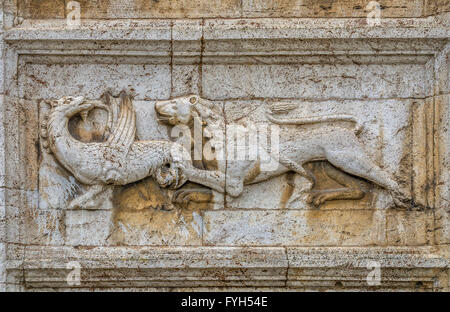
170 177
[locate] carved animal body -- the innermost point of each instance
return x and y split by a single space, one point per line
317 138
121 159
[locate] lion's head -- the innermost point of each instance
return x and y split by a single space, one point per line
183 110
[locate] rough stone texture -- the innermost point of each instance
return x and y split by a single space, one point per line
203 268
41 9
294 228
3 245
243 60
433 7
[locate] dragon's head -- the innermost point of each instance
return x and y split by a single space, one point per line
61 111
69 106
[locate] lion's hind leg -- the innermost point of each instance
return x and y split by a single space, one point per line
355 161
298 168
351 190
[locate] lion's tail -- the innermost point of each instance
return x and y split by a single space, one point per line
316 120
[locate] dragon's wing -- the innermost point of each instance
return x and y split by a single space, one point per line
124 130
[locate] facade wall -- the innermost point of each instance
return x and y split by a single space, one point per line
378 199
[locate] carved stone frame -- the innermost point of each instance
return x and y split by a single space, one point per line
30 265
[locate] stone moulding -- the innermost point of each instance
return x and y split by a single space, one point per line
193 267
32 265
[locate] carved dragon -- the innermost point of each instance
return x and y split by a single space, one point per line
121 159
318 138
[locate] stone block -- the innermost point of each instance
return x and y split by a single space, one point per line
325 8
81 224
409 228
294 228
319 82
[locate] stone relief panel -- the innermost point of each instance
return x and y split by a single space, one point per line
147 156
121 211
369 133
171 144
297 142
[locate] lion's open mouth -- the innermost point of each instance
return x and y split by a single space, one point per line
164 117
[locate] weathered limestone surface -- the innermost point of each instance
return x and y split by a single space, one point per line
358 113
41 9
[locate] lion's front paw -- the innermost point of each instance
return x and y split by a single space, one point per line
320 199
182 197
185 196
317 198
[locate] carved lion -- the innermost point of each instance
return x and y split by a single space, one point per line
323 138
